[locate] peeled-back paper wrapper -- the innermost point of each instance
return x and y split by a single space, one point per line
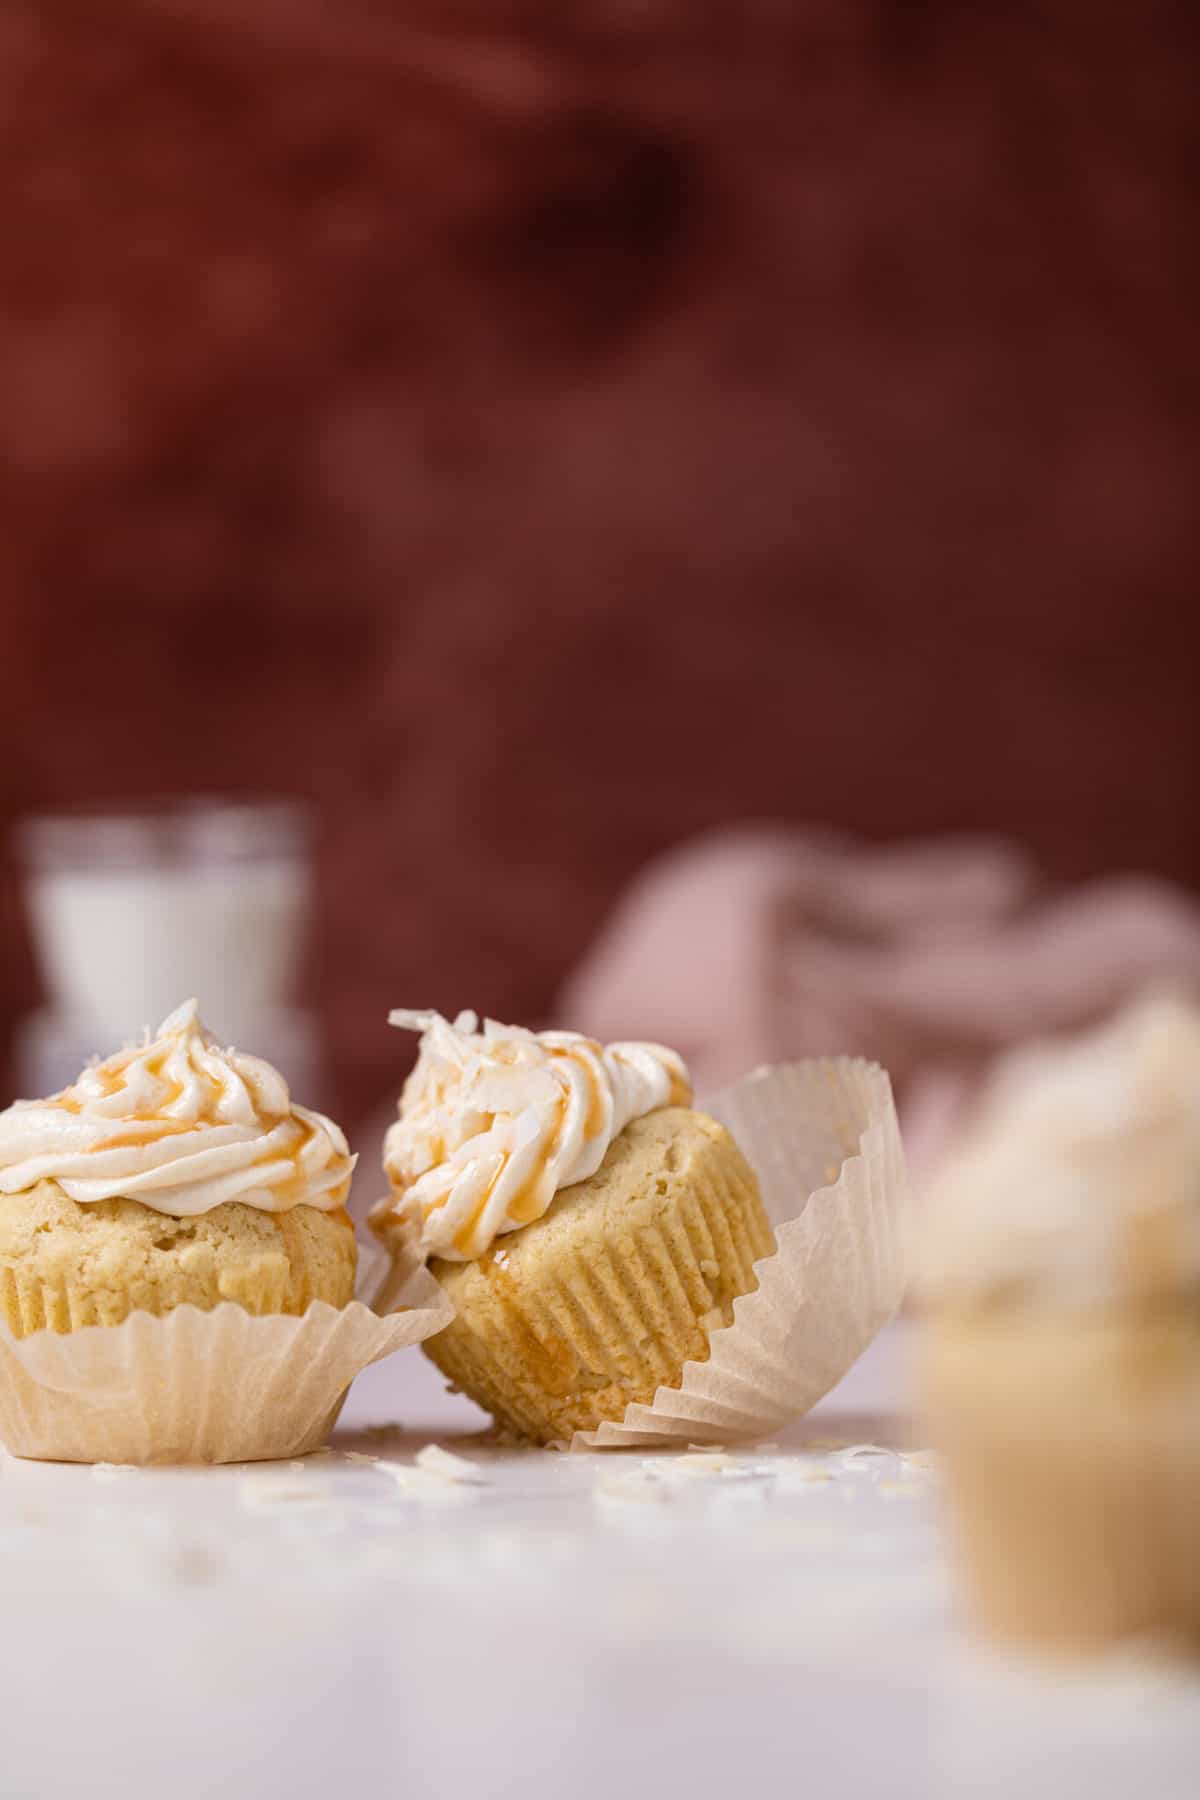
192 1386
824 1142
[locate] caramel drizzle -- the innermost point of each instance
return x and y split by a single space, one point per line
114 1080
681 1091
288 1190
528 1204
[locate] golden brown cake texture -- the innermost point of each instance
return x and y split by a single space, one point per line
64 1265
602 1300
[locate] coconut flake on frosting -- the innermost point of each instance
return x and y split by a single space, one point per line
1077 1179
180 1125
494 1121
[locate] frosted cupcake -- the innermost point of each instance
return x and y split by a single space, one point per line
1062 1363
591 1229
173 1173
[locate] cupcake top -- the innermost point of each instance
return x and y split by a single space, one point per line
494 1121
181 1126
1078 1177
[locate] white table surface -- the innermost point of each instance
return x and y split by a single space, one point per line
606 1624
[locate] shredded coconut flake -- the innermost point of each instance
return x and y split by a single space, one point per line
694 1463
448 1467
265 1491
424 1484
112 1471
404 1475
637 1484
799 1477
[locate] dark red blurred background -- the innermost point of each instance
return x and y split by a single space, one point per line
534 434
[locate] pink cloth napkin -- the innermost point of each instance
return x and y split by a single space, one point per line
761 945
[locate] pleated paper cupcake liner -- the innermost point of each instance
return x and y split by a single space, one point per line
628 1318
824 1141
192 1386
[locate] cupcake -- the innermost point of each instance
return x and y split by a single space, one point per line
591 1229
173 1174
1061 1368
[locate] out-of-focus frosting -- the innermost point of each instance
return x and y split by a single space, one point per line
494 1121
180 1125
1078 1177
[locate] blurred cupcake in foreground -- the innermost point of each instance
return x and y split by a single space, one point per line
1061 1369
174 1173
590 1228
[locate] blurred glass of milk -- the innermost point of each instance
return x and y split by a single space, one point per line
133 912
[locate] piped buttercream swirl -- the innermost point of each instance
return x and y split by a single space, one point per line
495 1120
180 1125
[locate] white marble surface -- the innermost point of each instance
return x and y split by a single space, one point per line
582 1626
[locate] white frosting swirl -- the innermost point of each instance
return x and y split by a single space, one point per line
181 1126
1078 1178
494 1121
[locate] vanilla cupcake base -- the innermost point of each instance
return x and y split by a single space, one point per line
1072 1446
65 1266
603 1300
200 1387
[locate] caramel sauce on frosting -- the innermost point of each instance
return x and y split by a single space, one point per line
495 1120
182 1126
